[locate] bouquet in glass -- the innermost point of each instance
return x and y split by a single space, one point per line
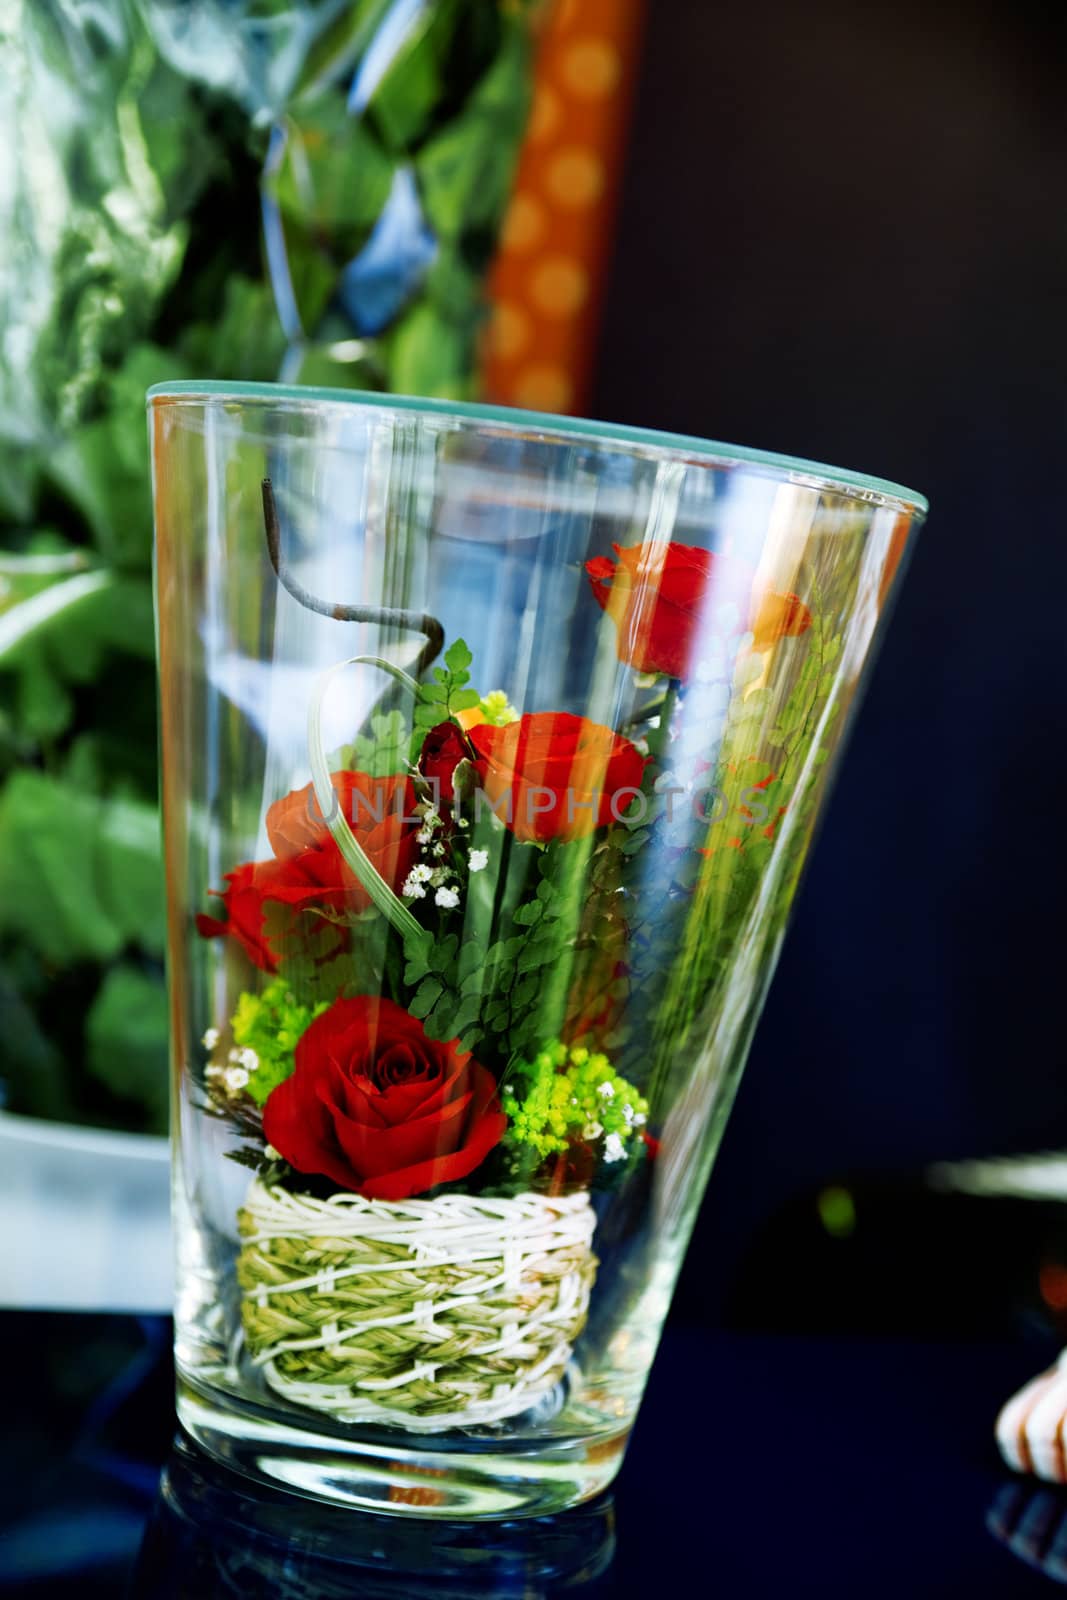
471 1010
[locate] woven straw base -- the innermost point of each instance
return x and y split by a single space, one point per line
429 1314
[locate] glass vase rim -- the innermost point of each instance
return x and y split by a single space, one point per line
521 420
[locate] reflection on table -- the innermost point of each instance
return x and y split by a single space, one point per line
214 1532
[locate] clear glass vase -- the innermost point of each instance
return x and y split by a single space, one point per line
493 745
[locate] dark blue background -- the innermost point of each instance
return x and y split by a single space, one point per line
843 236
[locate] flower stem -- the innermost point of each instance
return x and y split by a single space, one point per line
659 737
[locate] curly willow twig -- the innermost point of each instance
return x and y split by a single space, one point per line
383 616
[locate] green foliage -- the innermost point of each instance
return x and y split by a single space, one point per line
384 750
334 177
448 111
126 1035
446 693
246 337
270 1024
426 352
795 722
80 888
691 899
412 88
136 257
331 184
761 773
465 170
97 243
79 875
58 636
504 988
34 1061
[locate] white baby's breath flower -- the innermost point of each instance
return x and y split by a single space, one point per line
438 849
462 822
248 1059
210 1039
272 1153
212 1071
628 1113
447 898
479 859
606 1091
613 1148
423 836
235 1079
640 1119
412 888
592 1130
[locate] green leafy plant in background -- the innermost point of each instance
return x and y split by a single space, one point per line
244 189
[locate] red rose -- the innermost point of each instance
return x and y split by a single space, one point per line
443 748
551 775
656 594
379 1108
245 899
308 870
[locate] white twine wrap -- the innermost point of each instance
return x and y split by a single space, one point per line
427 1313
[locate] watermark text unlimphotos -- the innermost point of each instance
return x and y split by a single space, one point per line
706 805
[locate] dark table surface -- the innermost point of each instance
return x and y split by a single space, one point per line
761 1465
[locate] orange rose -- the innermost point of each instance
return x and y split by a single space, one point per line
551 775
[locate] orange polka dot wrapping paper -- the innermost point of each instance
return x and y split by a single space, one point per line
547 283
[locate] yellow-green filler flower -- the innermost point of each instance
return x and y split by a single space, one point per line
569 1097
266 1028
